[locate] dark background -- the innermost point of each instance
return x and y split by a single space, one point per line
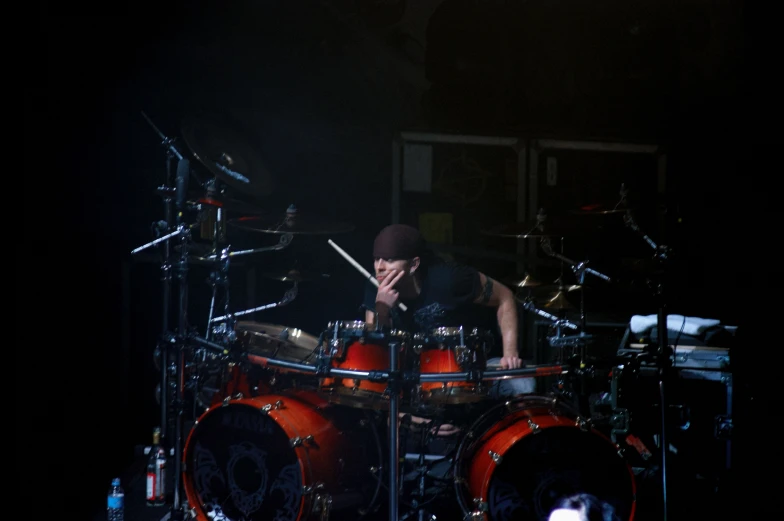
319 90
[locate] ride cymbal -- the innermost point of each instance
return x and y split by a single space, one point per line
228 154
291 221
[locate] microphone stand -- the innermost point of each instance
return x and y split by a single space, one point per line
663 349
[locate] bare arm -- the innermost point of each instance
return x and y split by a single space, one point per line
495 294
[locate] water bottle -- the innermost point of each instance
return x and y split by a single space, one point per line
115 502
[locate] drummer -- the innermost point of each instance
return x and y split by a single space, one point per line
438 293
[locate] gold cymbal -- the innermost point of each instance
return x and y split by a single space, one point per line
557 302
553 297
528 281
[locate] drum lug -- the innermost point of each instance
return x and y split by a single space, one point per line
497 458
619 421
298 441
461 356
534 427
323 504
270 406
479 513
337 349
310 489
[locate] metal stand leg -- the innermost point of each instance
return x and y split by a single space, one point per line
394 408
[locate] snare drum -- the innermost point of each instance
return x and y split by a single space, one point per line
452 350
353 345
526 454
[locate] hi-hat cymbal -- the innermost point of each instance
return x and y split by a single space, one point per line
228 154
291 221
295 275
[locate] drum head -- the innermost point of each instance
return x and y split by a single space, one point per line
241 466
277 341
559 461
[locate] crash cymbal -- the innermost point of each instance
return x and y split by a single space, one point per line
291 221
295 275
228 154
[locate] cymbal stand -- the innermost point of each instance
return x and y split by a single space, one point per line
558 340
287 298
394 386
166 191
663 349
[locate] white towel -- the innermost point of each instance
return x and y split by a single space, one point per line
693 326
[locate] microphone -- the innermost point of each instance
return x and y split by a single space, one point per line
181 183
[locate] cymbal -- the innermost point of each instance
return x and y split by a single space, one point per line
290 221
552 289
527 281
228 204
228 154
600 209
549 299
276 340
295 275
556 302
527 230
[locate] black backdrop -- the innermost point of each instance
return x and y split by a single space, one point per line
90 313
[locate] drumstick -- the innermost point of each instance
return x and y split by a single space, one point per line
362 270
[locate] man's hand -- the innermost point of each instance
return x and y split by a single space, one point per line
511 362
387 294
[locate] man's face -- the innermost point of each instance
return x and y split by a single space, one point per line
384 267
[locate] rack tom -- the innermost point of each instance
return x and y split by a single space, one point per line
356 346
452 350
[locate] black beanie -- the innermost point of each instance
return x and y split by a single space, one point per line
398 241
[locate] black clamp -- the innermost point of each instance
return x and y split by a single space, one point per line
474 375
378 376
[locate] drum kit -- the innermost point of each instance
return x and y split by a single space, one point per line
292 426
